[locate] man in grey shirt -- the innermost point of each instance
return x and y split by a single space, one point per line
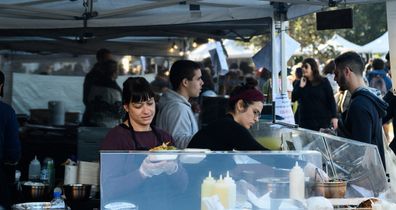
174 111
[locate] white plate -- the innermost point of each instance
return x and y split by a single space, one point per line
166 151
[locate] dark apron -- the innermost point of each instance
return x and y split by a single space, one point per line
7 180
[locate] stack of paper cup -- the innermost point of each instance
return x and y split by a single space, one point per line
70 174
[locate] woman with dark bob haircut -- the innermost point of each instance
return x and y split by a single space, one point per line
231 132
124 177
316 103
136 132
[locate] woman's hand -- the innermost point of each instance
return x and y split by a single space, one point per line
303 82
334 123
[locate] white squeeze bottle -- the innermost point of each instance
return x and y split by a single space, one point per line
34 169
231 191
207 188
297 183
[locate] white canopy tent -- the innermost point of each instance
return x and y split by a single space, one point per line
233 49
379 45
83 26
338 42
341 44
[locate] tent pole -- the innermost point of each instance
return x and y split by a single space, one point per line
273 70
283 57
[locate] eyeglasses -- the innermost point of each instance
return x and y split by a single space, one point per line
256 113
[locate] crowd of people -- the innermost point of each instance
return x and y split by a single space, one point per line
348 96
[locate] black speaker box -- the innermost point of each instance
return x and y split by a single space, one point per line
334 19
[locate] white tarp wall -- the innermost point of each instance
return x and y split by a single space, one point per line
32 91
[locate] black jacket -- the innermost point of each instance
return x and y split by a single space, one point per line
225 134
391 115
363 119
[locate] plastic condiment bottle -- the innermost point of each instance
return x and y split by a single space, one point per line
297 183
231 190
221 190
207 188
34 169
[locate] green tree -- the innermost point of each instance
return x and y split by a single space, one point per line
369 24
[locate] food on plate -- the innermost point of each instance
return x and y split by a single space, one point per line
163 146
367 203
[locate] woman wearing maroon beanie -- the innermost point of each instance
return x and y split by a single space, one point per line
231 132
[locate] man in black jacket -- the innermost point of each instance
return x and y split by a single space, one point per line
362 121
10 149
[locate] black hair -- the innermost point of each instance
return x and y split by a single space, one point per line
2 78
236 91
315 69
108 68
299 72
182 69
378 64
387 56
101 54
136 89
352 60
208 80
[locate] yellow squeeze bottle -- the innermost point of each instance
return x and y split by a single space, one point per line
221 190
230 183
207 188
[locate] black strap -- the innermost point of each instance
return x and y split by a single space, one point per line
138 146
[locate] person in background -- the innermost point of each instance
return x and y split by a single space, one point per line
244 110
208 87
175 114
390 98
10 148
362 121
316 103
377 78
298 74
102 55
103 107
328 72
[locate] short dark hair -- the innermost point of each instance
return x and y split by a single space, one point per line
352 60
101 54
378 64
136 89
182 69
299 72
1 82
108 68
